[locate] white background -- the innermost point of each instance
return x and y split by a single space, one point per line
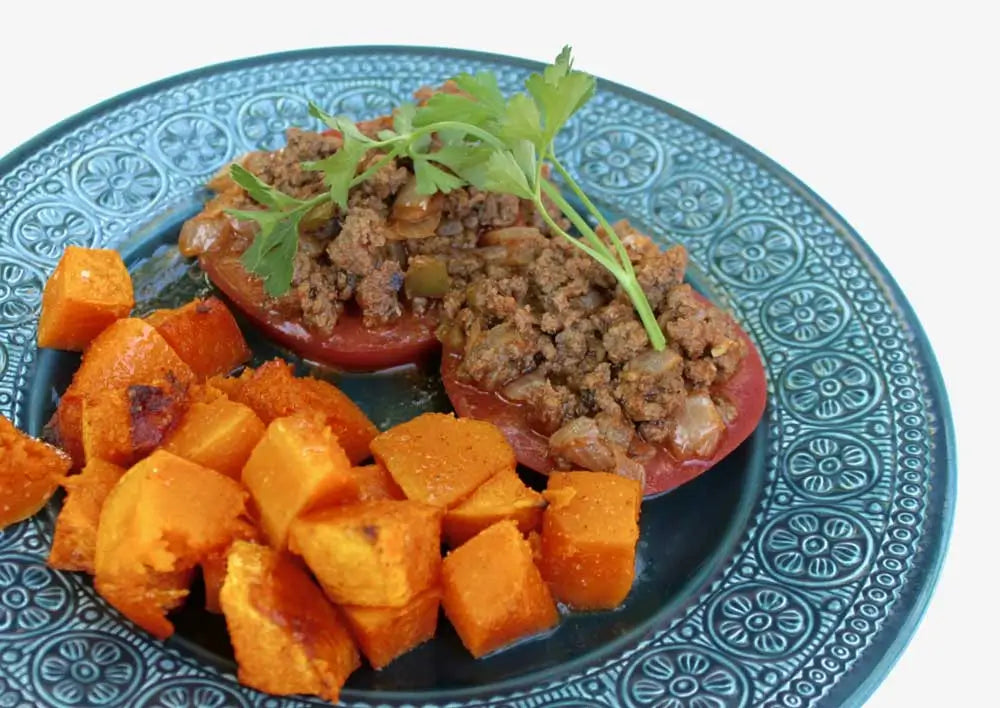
883 111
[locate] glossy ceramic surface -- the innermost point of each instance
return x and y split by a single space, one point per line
791 575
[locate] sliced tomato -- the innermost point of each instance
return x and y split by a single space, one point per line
747 390
350 345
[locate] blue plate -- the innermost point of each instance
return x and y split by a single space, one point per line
792 574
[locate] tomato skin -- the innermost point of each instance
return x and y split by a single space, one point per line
747 389
351 345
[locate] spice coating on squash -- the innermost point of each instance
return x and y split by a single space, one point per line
502 496
375 554
287 637
439 459
385 633
273 392
89 289
493 593
375 482
163 518
30 472
589 534
74 542
298 465
205 335
219 435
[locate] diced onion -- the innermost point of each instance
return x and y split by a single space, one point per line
699 428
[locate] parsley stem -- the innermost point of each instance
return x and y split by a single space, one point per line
596 255
553 193
374 169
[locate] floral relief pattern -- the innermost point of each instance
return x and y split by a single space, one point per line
817 548
761 621
810 314
824 387
20 293
831 465
33 598
118 180
690 204
190 693
679 677
264 120
364 103
45 230
756 252
620 160
193 144
87 668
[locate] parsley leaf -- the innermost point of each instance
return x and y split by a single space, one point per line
453 108
344 124
559 92
521 121
431 178
272 254
483 87
259 191
340 168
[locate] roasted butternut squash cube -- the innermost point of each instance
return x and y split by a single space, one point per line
164 517
75 539
386 633
298 465
375 482
205 335
589 533
30 473
440 459
219 435
492 592
129 353
502 496
273 392
374 554
213 576
89 289
287 637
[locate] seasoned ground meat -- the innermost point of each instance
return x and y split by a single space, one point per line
535 318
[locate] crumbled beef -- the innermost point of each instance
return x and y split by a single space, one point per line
378 294
498 355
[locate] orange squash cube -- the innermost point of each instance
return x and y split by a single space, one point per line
30 473
129 353
440 459
213 575
375 482
502 496
164 517
89 289
492 592
385 633
287 637
375 554
219 435
589 533
75 540
297 466
205 335
273 392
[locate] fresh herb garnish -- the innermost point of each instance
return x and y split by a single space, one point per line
484 139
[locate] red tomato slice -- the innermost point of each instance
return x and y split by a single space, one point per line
747 389
351 345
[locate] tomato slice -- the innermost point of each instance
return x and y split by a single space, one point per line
747 390
350 345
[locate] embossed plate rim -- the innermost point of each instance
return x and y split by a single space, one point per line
861 678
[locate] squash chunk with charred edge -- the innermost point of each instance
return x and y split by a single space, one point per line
492 592
219 435
273 392
128 355
502 496
205 335
375 554
89 289
30 472
162 519
439 459
385 633
75 540
297 466
589 533
287 637
375 482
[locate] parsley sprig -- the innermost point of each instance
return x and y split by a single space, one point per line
484 139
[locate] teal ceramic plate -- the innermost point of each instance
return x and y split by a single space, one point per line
792 574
